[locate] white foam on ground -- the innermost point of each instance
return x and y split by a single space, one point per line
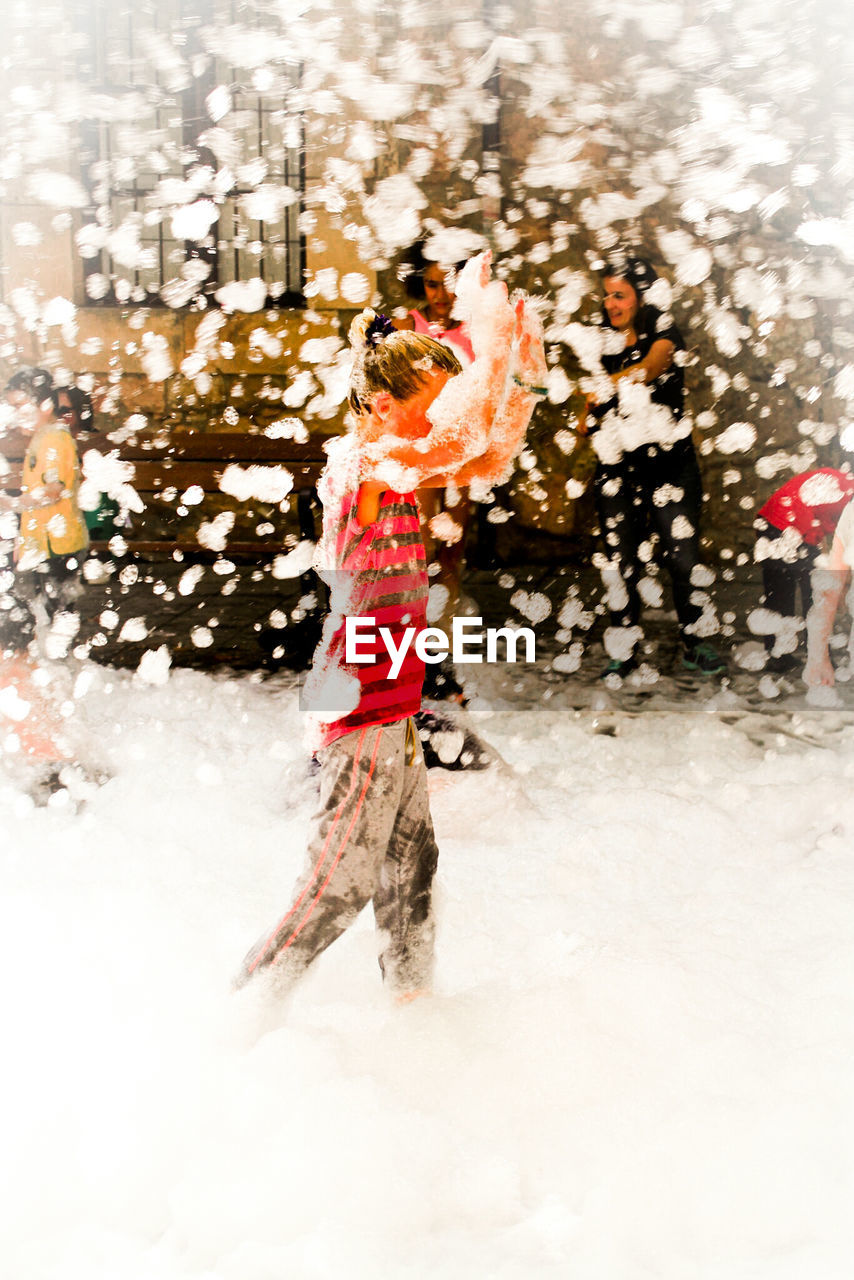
636 1062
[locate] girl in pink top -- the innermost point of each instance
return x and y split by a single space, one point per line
433 286
456 336
447 515
417 421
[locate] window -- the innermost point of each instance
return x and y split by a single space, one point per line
195 166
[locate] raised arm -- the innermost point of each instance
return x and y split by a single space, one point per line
526 386
461 419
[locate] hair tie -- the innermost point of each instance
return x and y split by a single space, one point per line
369 329
379 328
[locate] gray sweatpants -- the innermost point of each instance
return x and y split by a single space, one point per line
371 840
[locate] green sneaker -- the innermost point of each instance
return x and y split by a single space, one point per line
616 667
704 658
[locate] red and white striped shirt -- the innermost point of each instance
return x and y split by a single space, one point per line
376 571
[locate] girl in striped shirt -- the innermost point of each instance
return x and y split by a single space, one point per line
418 420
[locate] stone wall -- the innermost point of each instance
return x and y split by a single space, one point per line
705 138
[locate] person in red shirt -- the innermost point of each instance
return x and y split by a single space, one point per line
417 421
791 529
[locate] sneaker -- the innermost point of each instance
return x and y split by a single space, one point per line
447 744
619 667
704 658
785 663
441 683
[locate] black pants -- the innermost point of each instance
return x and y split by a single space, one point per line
784 580
45 590
652 490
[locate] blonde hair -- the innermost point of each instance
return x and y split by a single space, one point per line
392 360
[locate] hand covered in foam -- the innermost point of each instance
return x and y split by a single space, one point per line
479 408
507 432
529 363
483 306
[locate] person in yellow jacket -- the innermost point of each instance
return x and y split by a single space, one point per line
52 531
40 564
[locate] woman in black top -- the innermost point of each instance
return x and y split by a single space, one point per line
647 480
